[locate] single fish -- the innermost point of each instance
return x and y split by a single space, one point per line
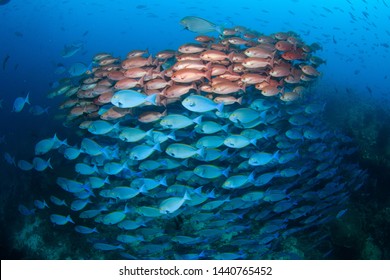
85 230
41 164
130 98
172 204
199 25
25 165
60 220
20 102
25 211
40 204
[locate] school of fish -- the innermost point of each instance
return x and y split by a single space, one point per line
216 150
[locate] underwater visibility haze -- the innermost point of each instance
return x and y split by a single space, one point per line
179 130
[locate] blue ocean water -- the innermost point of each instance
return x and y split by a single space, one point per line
352 85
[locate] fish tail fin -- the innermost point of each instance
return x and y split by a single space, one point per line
185 162
230 56
251 177
164 102
211 194
143 189
276 155
186 196
150 60
116 126
69 219
163 181
200 152
49 163
64 142
219 29
198 120
226 171
272 61
172 135
208 74
149 133
141 81
27 100
243 87
225 127
230 69
220 106
152 98
195 87
253 141
157 147
127 209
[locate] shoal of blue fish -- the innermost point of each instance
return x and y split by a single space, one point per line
203 173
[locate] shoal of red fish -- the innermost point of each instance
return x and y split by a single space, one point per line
221 69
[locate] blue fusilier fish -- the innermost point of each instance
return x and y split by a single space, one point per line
45 145
85 169
116 216
262 158
177 121
88 214
37 110
201 104
130 224
25 211
143 151
78 69
125 193
148 184
172 204
40 204
9 159
341 213
72 49
20 102
72 153
57 201
131 98
60 220
102 127
113 168
132 134
79 204
107 247
96 182
41 164
90 147
178 150
245 115
130 239
25 165
85 230
199 25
